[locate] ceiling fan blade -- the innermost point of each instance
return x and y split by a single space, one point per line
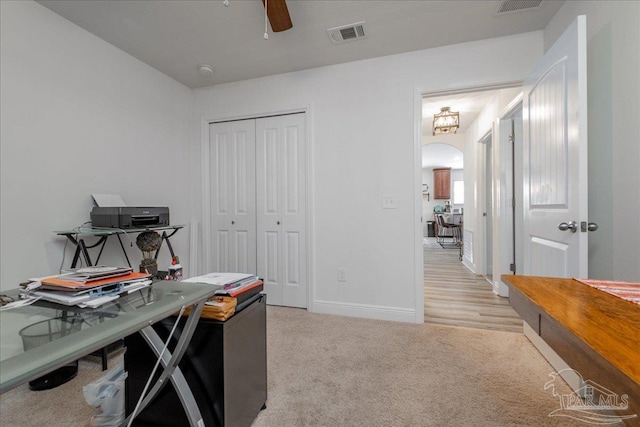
278 14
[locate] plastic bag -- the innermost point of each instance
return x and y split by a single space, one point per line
106 396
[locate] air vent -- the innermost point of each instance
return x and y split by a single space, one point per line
347 32
511 6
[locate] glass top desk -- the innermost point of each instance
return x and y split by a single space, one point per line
93 329
77 236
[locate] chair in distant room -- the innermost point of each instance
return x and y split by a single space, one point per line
447 230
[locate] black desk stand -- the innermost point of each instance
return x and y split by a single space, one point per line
104 233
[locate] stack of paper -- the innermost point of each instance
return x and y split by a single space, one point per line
220 279
238 285
91 274
86 293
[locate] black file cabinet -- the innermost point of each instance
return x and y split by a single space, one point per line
225 366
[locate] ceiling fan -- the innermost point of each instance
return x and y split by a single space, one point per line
278 14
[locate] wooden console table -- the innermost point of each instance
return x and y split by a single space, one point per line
595 333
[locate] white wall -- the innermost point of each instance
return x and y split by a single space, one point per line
613 70
364 117
80 117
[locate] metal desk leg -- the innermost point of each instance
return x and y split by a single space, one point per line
171 370
165 237
105 357
81 249
123 250
85 253
76 257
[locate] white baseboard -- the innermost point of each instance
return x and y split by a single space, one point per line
500 289
469 264
396 314
552 357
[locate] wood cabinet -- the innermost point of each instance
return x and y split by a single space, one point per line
442 183
591 331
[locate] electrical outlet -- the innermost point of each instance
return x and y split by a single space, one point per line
342 274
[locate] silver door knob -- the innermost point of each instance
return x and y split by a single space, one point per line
584 227
572 225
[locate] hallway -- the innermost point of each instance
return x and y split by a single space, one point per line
455 296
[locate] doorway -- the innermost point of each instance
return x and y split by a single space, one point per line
478 111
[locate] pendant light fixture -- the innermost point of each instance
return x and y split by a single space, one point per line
446 121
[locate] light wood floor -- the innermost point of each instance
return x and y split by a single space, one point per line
455 296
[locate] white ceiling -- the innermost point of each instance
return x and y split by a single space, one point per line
468 105
442 156
175 36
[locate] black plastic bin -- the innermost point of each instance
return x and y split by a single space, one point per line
431 232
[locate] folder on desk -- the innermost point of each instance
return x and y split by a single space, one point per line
91 294
92 274
54 283
243 292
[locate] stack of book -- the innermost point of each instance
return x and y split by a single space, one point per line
241 286
87 286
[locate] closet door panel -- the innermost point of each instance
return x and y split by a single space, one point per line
281 160
291 171
244 188
268 173
223 250
220 158
244 198
242 250
291 251
232 183
269 265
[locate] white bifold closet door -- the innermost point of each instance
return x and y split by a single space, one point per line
258 200
233 196
281 202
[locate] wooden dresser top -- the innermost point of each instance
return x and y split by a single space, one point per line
607 323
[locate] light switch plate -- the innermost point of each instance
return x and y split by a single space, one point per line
389 201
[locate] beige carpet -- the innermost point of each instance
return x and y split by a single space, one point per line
336 371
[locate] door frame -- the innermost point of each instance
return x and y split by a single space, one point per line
419 94
480 257
205 170
507 237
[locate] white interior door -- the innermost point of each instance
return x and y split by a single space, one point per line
232 196
281 204
555 159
